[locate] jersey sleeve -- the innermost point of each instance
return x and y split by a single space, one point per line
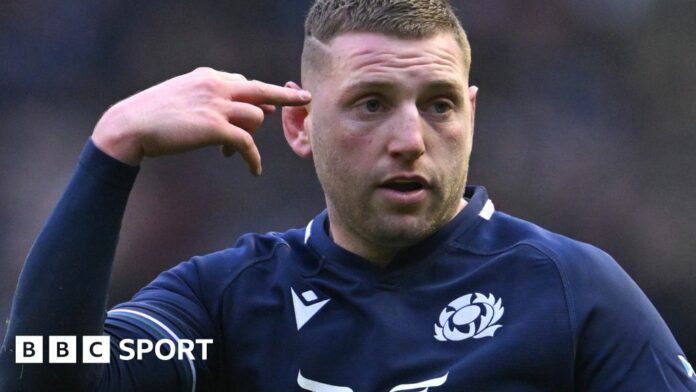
187 303
63 286
170 308
621 341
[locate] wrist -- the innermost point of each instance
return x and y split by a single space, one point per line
112 136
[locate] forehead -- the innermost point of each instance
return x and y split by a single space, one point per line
358 57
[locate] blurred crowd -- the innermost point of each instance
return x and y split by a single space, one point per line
585 125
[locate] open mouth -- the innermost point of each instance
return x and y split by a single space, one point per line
404 186
408 190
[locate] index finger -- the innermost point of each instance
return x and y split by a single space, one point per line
260 93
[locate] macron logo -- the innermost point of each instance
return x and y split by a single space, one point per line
305 307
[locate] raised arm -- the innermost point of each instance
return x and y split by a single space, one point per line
63 286
202 108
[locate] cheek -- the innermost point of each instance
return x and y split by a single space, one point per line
451 154
342 141
349 159
357 146
342 160
455 141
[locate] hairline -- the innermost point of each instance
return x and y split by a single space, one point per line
315 44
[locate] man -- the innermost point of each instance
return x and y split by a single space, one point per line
401 284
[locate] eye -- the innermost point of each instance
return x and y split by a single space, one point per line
440 107
372 105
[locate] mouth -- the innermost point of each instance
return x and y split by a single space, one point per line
405 190
403 186
405 183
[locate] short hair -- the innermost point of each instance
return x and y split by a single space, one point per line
398 18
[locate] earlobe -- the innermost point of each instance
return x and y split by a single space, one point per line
295 130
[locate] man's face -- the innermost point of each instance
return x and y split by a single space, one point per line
390 126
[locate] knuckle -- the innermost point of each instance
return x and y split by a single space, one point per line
247 117
207 84
203 70
257 115
246 142
209 119
216 103
206 79
259 88
212 124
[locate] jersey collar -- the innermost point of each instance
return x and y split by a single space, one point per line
333 257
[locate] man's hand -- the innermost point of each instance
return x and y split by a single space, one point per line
202 108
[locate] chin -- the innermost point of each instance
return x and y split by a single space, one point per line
401 231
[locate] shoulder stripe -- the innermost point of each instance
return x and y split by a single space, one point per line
165 328
316 386
487 210
308 231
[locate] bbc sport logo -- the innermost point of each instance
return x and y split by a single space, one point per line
96 349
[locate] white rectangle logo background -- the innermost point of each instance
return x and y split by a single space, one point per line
29 349
96 349
62 349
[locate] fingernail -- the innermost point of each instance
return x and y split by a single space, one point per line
306 95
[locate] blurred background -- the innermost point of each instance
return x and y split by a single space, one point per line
585 125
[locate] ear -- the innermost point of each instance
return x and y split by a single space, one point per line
294 127
473 93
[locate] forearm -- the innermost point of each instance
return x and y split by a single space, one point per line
63 286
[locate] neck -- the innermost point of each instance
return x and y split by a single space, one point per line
380 254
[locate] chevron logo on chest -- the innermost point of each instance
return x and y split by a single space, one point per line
306 306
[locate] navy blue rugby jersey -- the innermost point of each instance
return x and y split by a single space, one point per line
488 303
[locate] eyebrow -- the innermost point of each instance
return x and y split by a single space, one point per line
446 84
368 85
381 84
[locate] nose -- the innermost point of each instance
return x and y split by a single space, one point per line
407 137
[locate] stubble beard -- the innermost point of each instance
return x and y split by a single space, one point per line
380 228
373 228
